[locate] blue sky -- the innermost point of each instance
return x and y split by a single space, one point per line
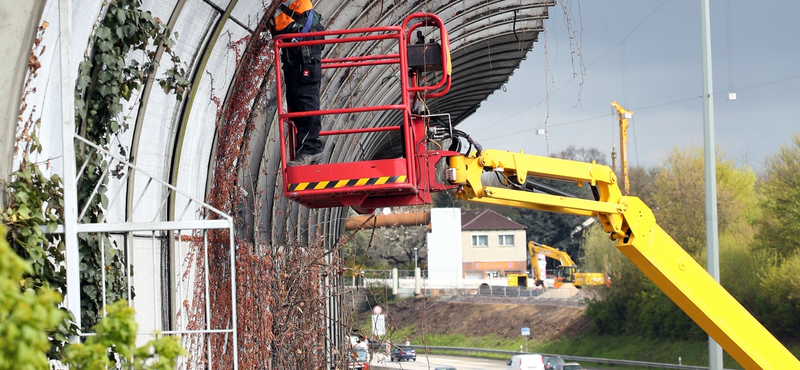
654 70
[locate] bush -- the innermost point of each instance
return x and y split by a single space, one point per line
27 314
114 345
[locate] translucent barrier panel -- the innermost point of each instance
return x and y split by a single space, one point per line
146 252
160 124
202 122
47 98
248 12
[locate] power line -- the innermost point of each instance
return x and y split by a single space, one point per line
574 76
534 129
640 109
766 83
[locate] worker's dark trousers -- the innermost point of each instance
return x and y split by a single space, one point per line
302 94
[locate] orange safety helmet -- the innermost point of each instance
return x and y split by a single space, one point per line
282 20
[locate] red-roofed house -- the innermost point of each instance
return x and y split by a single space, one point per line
492 245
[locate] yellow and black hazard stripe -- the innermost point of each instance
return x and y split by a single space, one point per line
334 184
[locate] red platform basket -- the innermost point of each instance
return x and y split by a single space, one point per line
367 185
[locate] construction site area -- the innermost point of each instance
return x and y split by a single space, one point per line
243 184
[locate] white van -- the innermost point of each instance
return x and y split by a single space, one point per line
526 362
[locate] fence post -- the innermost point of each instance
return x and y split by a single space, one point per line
395 281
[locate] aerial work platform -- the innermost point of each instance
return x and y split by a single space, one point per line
366 185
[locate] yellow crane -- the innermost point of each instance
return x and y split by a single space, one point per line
623 116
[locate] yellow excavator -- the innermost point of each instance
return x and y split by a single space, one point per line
567 272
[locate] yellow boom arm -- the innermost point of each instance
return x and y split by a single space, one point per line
632 224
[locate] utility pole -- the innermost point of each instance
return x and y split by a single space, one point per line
712 239
623 116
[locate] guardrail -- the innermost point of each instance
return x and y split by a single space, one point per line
607 361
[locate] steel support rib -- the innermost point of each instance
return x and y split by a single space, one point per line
68 155
176 165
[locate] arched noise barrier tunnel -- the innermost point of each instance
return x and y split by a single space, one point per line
194 146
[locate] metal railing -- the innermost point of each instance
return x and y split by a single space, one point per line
174 298
606 361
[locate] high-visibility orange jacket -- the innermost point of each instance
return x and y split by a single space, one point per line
298 6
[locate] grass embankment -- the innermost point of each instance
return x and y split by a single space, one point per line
617 347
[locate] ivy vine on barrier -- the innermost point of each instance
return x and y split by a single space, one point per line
282 290
123 55
107 76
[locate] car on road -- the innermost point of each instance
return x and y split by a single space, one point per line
553 362
400 353
359 359
445 368
571 366
526 362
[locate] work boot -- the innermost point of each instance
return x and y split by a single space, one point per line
305 160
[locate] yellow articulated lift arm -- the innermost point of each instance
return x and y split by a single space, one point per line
632 224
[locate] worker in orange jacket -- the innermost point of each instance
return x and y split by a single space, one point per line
302 73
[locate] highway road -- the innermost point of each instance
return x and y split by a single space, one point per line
430 362
433 361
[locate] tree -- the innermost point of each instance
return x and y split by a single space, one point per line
679 198
635 305
778 226
643 183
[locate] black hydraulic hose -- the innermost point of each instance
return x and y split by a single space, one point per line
595 192
463 134
531 185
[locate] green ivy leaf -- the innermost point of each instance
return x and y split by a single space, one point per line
120 15
83 82
104 76
105 46
85 67
103 33
104 90
108 59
